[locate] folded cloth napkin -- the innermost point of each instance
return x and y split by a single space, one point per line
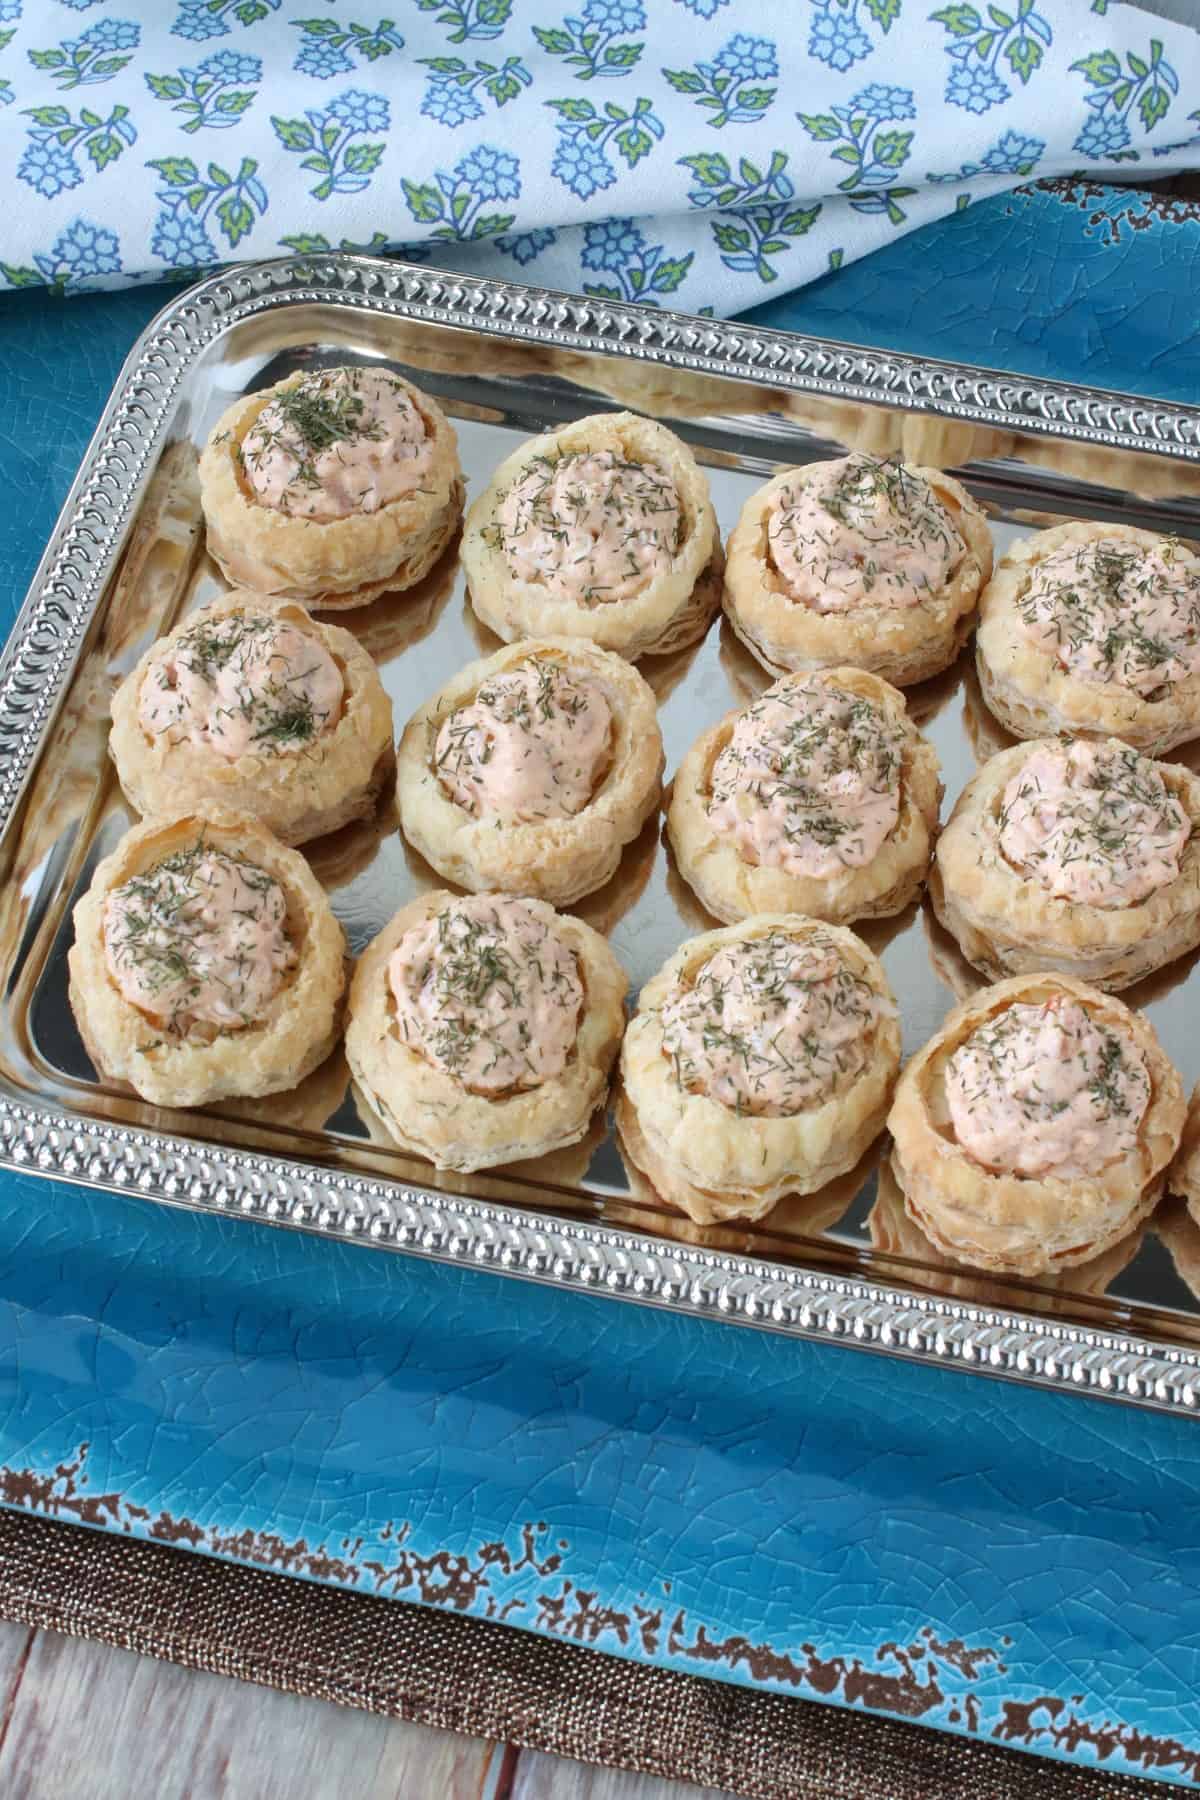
702 153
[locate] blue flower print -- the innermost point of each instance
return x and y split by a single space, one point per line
182 241
610 243
360 111
527 245
83 251
978 45
884 102
48 169
589 46
322 59
91 58
329 47
581 161
757 210
975 87
581 167
6 94
451 203
470 18
451 97
837 37
723 86
192 202
618 247
1011 154
871 155
78 5
615 15
493 174
201 19
9 10
1142 85
325 140
210 95
48 164
703 9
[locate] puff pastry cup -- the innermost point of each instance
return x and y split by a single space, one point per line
256 676
189 1053
719 1158
1123 826
487 766
902 642
1033 684
821 798
1027 1223
450 1110
672 590
333 562
1184 1176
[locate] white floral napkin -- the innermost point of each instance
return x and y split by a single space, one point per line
703 153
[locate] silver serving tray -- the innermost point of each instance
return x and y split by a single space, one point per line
127 557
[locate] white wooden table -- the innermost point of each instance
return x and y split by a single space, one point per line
79 1721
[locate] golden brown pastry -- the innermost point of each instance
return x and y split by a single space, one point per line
821 798
252 705
1094 628
207 963
859 560
1184 1176
895 1233
1074 855
760 1062
603 529
332 487
530 770
1035 1128
483 1030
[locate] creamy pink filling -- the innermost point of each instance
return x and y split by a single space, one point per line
1047 1090
532 744
341 441
489 993
591 527
860 530
240 683
199 940
810 780
1110 611
1093 823
770 1025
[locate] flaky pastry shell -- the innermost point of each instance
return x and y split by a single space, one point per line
1026 1224
333 563
732 888
903 644
715 1164
1006 923
301 1023
1184 1175
1033 696
558 860
298 794
426 1110
674 609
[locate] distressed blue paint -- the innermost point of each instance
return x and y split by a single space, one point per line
239 1379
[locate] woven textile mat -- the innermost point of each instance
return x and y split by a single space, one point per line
493 1681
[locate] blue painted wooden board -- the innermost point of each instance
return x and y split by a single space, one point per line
975 1555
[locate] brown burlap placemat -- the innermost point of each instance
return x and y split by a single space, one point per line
495 1682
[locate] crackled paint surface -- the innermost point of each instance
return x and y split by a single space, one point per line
968 1554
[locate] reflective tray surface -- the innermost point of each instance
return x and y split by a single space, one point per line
128 559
